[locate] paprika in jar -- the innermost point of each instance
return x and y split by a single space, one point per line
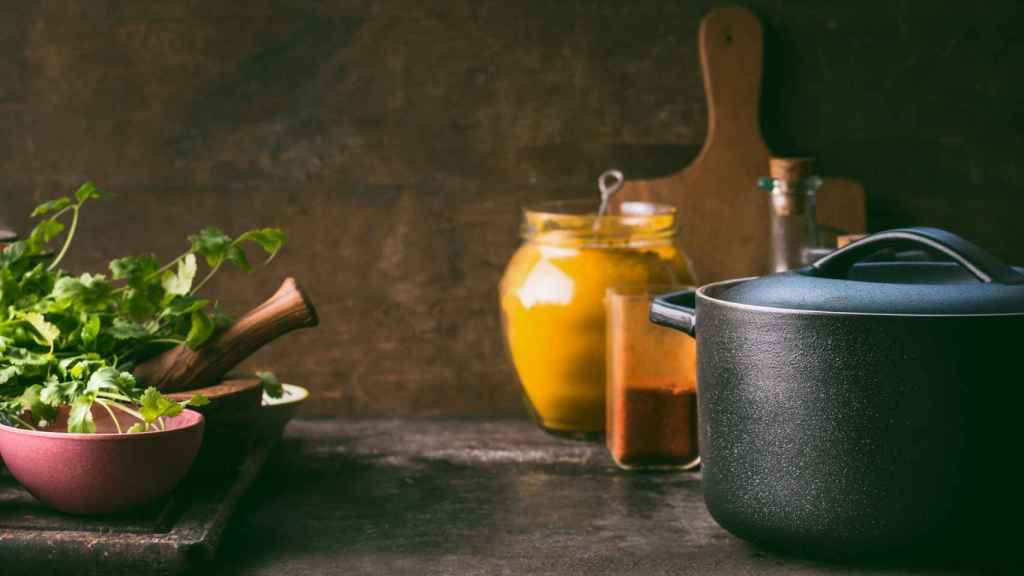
652 385
552 300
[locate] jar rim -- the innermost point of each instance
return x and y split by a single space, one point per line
576 221
588 207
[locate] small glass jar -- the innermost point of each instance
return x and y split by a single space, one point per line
552 300
794 224
652 385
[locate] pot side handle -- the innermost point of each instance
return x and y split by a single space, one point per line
985 267
677 311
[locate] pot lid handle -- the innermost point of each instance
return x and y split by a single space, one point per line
983 265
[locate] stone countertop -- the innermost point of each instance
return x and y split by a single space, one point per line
479 497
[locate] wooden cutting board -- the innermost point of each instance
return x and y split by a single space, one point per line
725 219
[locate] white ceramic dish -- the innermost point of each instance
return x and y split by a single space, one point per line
277 412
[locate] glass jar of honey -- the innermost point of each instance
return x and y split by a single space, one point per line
552 300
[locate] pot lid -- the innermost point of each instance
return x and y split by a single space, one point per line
975 282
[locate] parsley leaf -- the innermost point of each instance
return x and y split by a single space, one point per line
86 191
185 305
198 400
133 268
155 405
89 288
270 239
80 417
237 257
127 330
212 244
271 385
41 235
179 283
90 331
32 401
51 206
71 340
48 331
200 330
109 379
7 373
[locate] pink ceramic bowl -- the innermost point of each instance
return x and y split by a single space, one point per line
105 472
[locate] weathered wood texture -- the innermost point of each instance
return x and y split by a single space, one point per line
168 538
353 497
397 139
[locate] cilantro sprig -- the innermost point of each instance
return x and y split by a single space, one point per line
72 341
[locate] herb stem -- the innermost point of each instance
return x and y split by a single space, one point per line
167 266
206 278
67 239
166 341
156 272
113 396
128 410
113 417
62 212
22 422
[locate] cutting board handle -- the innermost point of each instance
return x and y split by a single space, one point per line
731 54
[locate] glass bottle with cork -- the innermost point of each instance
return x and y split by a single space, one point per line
794 228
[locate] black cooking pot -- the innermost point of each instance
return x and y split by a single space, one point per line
853 408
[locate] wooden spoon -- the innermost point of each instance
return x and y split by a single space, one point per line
182 368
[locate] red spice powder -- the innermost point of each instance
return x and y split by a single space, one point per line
653 427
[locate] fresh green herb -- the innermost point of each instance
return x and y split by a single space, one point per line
154 406
71 341
271 385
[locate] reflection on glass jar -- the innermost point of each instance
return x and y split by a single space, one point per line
552 300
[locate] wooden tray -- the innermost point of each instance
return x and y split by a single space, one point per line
181 532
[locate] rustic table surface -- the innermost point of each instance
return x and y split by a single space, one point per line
475 497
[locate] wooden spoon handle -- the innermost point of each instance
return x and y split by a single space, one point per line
182 368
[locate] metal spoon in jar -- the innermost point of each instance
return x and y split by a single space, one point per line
609 183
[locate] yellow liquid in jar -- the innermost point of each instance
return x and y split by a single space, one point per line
552 300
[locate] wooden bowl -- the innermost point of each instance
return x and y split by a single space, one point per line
238 405
231 400
105 472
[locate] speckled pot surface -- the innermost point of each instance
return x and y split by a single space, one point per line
852 416
851 435
844 434
102 473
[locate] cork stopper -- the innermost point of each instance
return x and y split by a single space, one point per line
791 169
844 240
787 200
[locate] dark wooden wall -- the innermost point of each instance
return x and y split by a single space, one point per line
395 140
